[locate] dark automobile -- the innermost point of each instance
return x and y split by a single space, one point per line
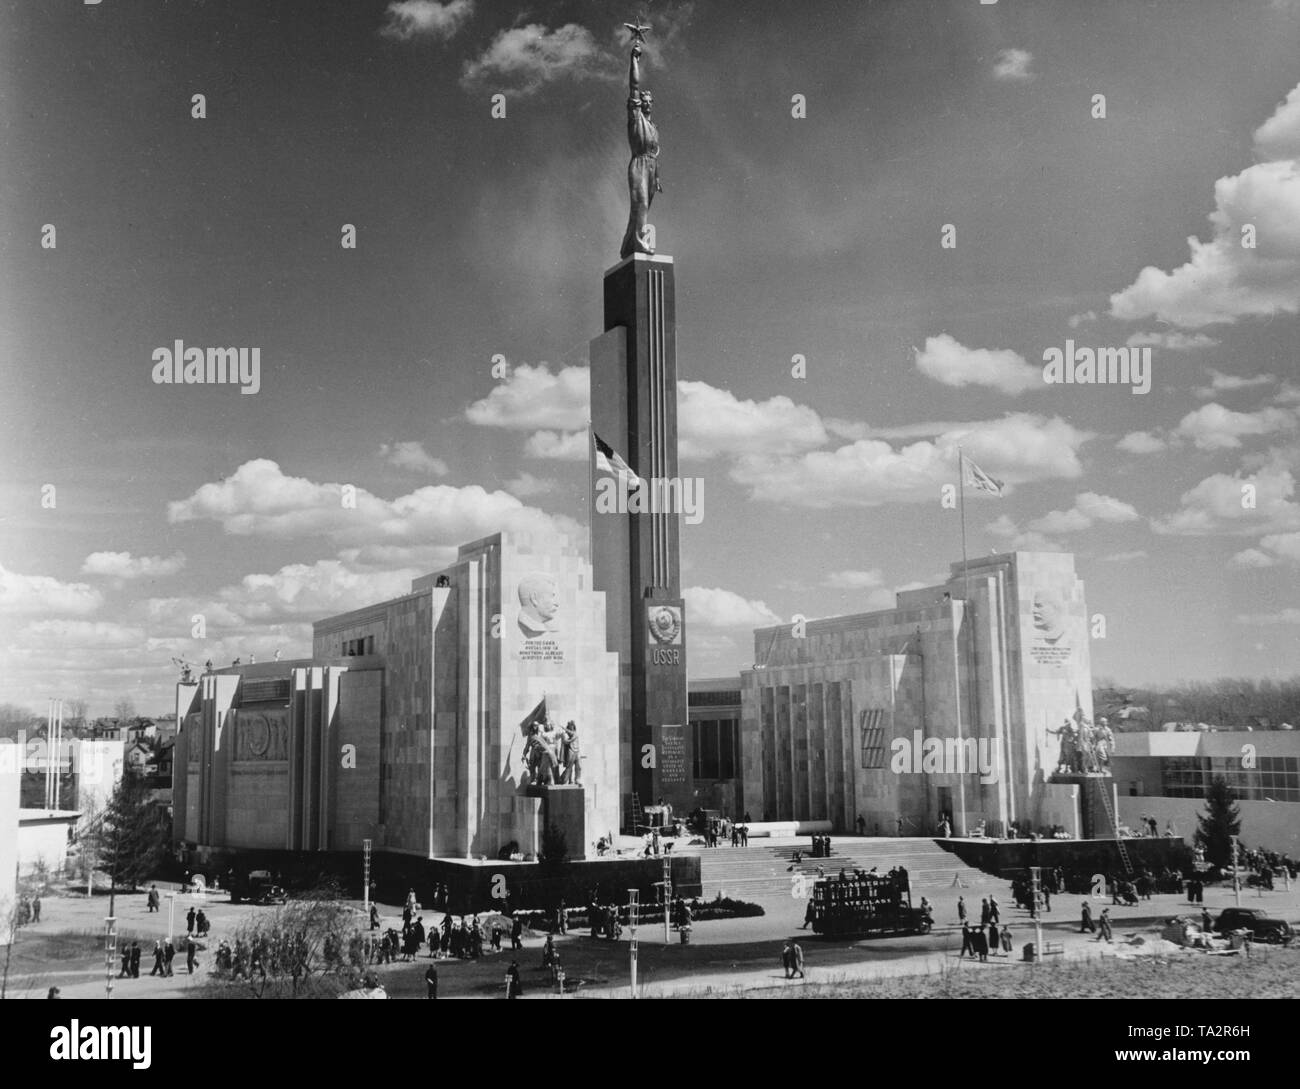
1262 926
257 888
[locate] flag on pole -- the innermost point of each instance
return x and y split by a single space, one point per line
977 478
609 461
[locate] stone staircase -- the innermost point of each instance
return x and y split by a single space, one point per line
762 870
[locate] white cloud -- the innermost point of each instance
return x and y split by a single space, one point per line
259 499
1061 521
413 456
531 397
717 608
1218 504
855 580
1125 557
1141 442
1285 616
953 364
525 486
45 596
1279 136
124 566
1226 383
1013 65
1213 427
312 591
1172 341
1285 546
523 59
1252 557
558 446
713 421
1104 508
1225 280
1019 540
1018 448
1075 320
407 19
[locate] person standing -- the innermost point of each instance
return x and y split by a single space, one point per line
980 943
517 932
993 939
1006 940
995 913
797 952
985 913
126 963
514 988
787 957
1085 922
36 909
169 954
153 900
431 981
135 960
191 954
966 944
190 917
961 909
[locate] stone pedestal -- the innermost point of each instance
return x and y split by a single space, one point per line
564 808
636 556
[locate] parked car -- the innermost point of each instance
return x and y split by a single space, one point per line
257 888
1262 926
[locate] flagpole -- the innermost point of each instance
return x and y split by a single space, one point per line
968 619
961 776
591 495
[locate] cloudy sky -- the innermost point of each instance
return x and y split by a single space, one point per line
1173 221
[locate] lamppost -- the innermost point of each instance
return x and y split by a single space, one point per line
110 954
632 897
171 915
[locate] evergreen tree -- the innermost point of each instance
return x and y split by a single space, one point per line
132 839
1220 822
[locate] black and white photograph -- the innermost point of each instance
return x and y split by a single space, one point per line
658 499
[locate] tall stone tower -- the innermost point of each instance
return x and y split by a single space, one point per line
636 554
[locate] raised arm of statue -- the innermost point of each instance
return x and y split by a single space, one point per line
634 72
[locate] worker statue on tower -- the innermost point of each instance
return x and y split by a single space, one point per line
643 139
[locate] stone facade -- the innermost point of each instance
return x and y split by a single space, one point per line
408 725
838 718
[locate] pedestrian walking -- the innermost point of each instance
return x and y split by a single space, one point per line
158 967
993 939
190 917
431 981
135 960
961 909
1105 926
191 955
980 942
1085 922
797 951
1007 944
169 954
36 909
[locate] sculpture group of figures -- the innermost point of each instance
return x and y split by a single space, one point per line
1085 748
552 754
